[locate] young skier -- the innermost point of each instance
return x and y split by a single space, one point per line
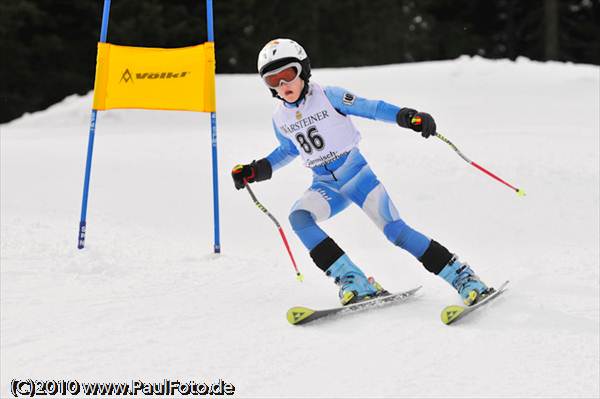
313 122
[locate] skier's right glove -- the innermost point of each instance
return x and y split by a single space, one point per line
256 171
417 121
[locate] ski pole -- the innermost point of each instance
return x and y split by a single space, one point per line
260 206
519 192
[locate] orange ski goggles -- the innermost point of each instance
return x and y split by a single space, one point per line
286 74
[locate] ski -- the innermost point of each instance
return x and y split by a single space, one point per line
452 313
302 315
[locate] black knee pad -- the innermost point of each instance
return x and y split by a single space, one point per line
326 253
436 257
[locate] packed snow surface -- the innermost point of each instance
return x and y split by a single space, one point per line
147 300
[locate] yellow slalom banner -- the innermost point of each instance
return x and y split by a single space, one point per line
155 78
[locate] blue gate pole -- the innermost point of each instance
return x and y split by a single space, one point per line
90 149
213 127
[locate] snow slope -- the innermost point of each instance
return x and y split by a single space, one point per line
148 300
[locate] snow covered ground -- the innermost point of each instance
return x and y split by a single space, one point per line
146 299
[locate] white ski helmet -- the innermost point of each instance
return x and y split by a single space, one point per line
280 52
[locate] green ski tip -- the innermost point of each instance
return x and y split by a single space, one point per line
296 314
451 313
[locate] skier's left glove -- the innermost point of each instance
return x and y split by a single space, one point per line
417 121
256 171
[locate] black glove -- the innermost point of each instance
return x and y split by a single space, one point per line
256 171
417 121
242 174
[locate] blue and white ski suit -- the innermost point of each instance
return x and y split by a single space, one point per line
320 131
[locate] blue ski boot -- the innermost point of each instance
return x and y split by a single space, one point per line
461 277
353 283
